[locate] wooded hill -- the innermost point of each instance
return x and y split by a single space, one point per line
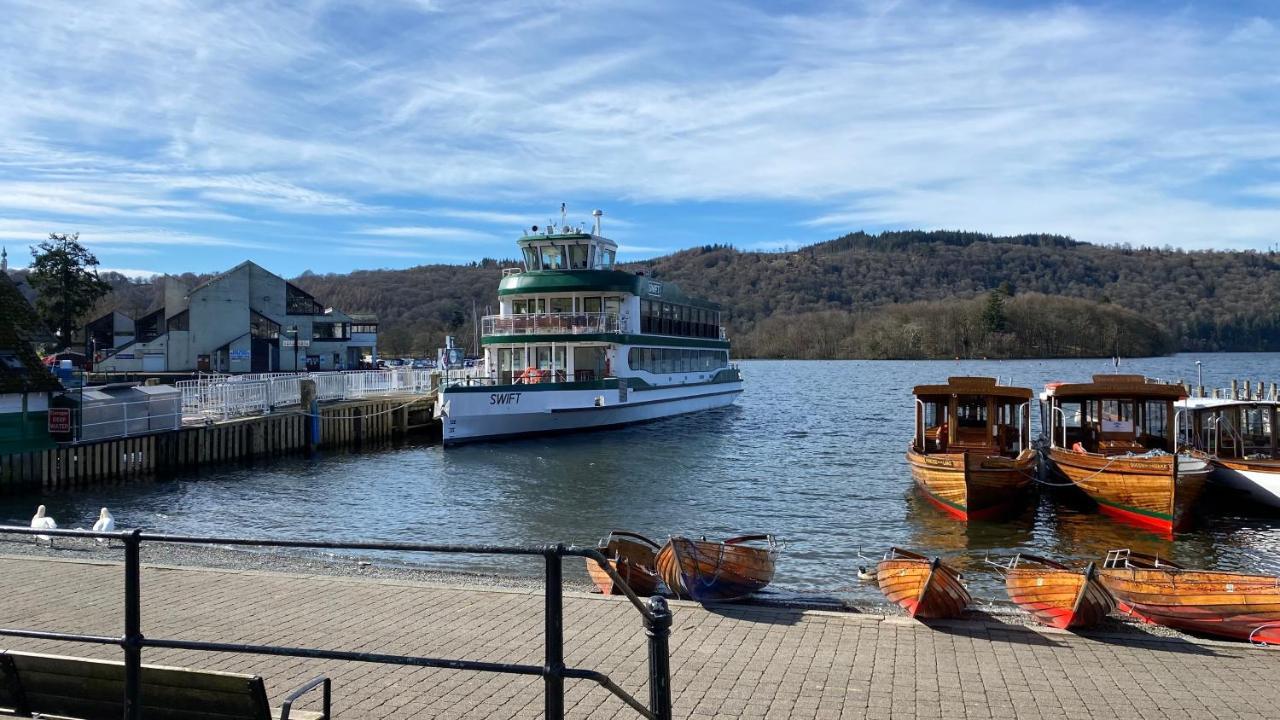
896 294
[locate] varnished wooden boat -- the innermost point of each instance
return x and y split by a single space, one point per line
1227 604
925 588
632 556
972 454
1119 449
1056 595
709 571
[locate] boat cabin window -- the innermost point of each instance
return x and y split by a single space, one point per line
552 257
1117 416
578 257
560 305
592 305
1255 431
531 259
1154 424
604 258
934 422
671 360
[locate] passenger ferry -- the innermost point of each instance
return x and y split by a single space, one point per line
579 344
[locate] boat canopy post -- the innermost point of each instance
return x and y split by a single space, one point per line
920 446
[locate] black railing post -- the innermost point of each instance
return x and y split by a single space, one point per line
658 628
554 677
132 641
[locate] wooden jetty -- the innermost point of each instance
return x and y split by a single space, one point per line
347 424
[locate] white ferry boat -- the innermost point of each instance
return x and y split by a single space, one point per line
580 345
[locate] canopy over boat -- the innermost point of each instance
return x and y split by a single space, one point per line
1110 386
962 385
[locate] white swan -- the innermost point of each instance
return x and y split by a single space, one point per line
43 522
105 523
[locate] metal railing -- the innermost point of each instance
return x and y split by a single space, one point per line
655 615
549 323
224 397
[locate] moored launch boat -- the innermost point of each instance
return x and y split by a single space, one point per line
632 556
709 571
1234 605
1241 439
1116 439
926 589
1056 595
972 453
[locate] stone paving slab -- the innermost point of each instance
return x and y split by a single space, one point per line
729 662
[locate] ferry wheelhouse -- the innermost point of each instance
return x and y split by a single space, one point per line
579 344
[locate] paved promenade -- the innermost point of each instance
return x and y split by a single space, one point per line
729 663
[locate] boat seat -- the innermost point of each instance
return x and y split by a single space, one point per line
58 686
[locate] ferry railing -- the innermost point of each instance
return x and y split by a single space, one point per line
655 615
569 323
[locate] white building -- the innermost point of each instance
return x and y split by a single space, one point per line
244 320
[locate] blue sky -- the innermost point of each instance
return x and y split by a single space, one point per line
179 135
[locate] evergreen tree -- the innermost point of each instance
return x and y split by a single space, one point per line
993 317
65 274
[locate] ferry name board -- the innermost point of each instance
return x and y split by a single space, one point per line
655 288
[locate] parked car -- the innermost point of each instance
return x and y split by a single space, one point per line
422 364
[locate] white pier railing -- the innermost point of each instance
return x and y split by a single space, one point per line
222 397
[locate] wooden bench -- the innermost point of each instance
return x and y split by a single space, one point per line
57 686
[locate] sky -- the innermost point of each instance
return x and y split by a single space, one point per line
183 135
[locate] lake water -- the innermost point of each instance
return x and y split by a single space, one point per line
812 452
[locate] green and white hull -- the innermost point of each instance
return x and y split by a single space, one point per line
504 411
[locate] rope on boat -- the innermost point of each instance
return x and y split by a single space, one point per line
1262 643
1071 482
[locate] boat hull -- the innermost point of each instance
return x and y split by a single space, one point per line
1140 490
1232 605
632 557
1259 479
472 414
973 486
710 571
1058 596
926 589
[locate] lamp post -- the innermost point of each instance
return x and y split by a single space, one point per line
293 330
1199 378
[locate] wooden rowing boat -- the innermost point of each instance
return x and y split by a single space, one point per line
1115 439
926 589
709 571
632 556
1227 604
972 455
1056 595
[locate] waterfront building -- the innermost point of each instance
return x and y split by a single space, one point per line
246 319
25 383
107 334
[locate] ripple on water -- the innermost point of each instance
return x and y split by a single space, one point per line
811 453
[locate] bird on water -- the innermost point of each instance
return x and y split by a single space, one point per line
43 522
106 523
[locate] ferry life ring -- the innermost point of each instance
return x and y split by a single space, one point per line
528 375
534 375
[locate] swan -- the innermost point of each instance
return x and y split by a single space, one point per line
105 523
43 522
866 575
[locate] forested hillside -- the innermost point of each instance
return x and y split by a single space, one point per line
896 294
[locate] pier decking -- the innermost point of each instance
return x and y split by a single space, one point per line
731 662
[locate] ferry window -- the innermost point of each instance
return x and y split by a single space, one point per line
552 257
542 357
506 368
519 307
606 258
1255 429
646 311
668 312
560 353
591 305
561 305
1117 416
1155 418
538 305
971 412
612 305
578 257
531 259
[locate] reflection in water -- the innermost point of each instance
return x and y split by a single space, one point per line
813 453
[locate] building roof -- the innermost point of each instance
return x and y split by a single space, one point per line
20 367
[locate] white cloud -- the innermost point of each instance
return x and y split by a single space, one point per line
1100 122
130 272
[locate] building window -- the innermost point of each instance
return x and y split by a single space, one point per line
298 302
329 331
366 328
181 321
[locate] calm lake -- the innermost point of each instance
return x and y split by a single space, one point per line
813 453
